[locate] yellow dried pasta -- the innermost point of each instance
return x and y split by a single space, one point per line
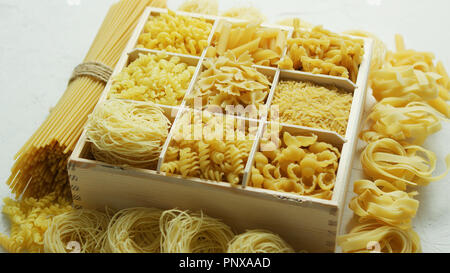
210 147
296 164
156 78
231 81
30 218
200 6
401 120
311 105
396 162
365 238
265 45
320 51
377 202
176 33
414 76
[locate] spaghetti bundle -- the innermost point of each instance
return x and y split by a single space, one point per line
259 241
40 166
78 228
127 133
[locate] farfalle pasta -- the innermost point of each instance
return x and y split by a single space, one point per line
231 81
320 51
210 147
297 164
154 78
176 33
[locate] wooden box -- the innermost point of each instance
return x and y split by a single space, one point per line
306 223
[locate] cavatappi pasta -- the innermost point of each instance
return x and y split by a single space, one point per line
176 33
320 51
155 78
230 81
211 147
297 164
265 45
311 105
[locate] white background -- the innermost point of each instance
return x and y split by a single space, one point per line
42 41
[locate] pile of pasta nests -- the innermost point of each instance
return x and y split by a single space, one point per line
148 230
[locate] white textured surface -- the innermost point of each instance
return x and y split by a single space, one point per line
41 42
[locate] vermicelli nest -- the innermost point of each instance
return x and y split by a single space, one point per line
259 241
85 228
127 133
134 231
151 230
184 232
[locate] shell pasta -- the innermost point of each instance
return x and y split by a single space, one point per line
297 164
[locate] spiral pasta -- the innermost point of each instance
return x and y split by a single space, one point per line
210 147
30 218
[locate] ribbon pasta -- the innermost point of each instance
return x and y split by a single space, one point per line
401 120
393 161
365 237
383 204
